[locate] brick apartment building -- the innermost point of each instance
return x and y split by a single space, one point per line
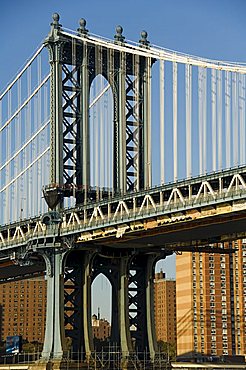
165 308
101 328
211 303
23 308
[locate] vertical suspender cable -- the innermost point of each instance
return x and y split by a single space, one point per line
147 124
188 80
162 121
102 126
149 172
122 173
23 158
235 118
14 132
214 131
34 146
175 123
29 149
92 134
228 118
45 115
39 142
204 119
106 128
112 128
242 118
200 119
95 136
18 196
107 125
243 128
8 169
96 127
219 119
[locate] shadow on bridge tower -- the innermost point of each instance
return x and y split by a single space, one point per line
71 267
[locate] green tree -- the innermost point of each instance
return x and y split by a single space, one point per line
168 348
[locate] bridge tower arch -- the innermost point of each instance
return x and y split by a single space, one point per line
75 62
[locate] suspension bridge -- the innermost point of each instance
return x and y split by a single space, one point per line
114 154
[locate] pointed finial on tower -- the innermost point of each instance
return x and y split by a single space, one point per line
82 30
119 37
55 24
143 41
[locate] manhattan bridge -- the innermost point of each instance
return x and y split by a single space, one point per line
113 155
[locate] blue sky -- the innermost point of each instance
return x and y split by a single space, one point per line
213 28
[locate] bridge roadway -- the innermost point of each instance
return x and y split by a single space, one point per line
191 215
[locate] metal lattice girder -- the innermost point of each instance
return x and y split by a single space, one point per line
75 63
137 301
73 300
71 122
134 133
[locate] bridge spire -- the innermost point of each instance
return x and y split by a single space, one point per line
55 25
119 37
82 30
143 41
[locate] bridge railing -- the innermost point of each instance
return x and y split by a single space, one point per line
177 202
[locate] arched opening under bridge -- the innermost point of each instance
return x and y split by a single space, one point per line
101 294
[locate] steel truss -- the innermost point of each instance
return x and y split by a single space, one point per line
73 302
72 171
197 200
137 301
75 63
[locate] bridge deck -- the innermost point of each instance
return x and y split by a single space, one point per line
178 215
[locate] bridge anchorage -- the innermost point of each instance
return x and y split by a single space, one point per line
109 218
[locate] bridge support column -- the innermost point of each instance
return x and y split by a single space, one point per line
77 302
150 309
141 303
54 342
87 305
124 325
